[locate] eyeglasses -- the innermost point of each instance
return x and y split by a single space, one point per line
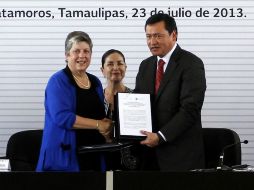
157 36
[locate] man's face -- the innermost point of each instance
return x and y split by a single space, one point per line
159 41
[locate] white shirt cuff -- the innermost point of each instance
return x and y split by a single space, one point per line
164 138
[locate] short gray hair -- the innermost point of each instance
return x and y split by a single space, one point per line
76 37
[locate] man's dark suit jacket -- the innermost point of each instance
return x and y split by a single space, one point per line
176 109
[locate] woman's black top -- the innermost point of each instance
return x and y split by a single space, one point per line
89 105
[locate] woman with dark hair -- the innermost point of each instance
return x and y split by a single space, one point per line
113 68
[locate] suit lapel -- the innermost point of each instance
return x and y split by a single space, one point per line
169 73
151 72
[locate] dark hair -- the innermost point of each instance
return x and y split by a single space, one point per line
109 52
77 36
170 24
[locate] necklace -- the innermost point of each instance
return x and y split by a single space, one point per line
81 83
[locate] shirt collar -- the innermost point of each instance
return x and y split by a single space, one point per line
166 58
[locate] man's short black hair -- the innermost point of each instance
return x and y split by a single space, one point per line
169 21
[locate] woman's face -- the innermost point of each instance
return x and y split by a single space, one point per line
79 57
114 68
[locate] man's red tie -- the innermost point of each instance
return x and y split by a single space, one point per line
159 75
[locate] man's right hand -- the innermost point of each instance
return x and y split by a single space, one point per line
105 128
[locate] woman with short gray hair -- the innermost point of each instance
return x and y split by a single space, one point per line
74 111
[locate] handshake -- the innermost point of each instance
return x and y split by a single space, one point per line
105 128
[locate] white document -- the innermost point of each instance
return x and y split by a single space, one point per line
134 113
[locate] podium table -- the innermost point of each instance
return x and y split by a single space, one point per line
217 180
52 180
127 180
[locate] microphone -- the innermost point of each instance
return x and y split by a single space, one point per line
221 165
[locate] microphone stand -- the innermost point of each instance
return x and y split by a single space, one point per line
221 165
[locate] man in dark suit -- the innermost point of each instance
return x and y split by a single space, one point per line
178 90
